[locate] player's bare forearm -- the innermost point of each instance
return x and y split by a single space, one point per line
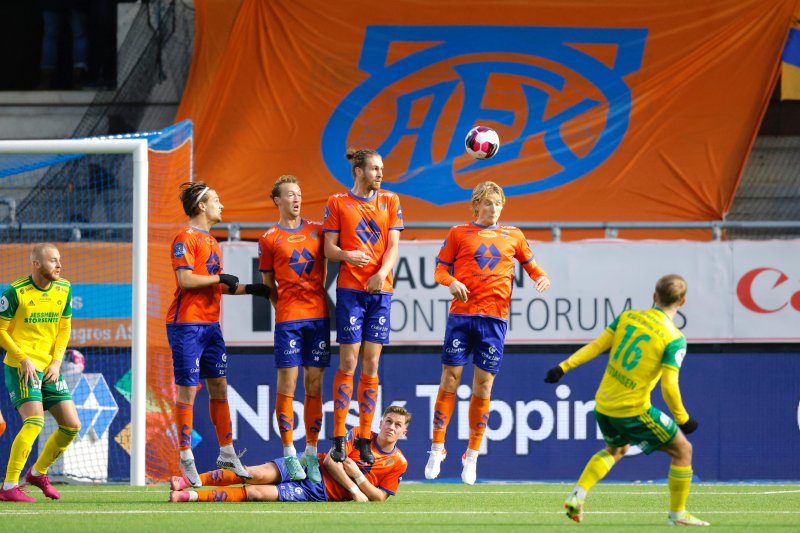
268 279
391 253
336 470
188 280
331 247
369 490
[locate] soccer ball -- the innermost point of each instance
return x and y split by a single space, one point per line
74 362
482 142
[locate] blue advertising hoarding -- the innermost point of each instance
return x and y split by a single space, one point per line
745 403
748 406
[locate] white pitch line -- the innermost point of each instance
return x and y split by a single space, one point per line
283 511
479 492
602 492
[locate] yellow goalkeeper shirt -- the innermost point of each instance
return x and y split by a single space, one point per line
643 344
35 322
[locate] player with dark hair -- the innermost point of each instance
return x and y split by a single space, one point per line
476 263
35 325
362 230
644 346
193 330
351 479
293 266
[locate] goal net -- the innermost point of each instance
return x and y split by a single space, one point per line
111 207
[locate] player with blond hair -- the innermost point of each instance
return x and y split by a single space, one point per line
35 325
644 346
293 267
476 263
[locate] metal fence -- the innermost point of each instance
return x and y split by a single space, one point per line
716 229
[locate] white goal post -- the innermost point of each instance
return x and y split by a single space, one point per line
137 148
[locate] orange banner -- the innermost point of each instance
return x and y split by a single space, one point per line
605 112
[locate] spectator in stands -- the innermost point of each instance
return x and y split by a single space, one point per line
53 12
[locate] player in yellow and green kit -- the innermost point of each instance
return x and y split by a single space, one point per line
644 346
35 322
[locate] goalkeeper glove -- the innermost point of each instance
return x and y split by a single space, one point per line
230 280
689 426
257 289
554 374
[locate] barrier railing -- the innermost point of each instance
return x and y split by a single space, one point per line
611 229
76 230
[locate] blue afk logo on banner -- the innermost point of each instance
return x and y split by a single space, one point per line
469 49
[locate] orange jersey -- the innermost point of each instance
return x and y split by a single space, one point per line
198 251
295 257
363 224
482 258
384 474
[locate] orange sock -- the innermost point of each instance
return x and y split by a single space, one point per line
183 419
443 410
367 400
221 418
284 412
478 419
228 494
220 478
312 418
342 392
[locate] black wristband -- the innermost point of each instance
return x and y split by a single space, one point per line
257 289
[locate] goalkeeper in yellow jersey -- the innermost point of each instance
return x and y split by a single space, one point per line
644 346
35 322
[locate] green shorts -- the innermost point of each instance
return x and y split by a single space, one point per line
48 394
649 431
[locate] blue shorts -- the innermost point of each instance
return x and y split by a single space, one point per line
482 335
298 491
198 352
303 342
362 316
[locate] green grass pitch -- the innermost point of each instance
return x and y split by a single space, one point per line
433 507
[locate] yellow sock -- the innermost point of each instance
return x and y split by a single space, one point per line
21 447
596 469
54 447
679 482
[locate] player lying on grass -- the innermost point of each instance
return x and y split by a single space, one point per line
352 479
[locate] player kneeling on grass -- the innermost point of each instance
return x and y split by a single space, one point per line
644 346
352 479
